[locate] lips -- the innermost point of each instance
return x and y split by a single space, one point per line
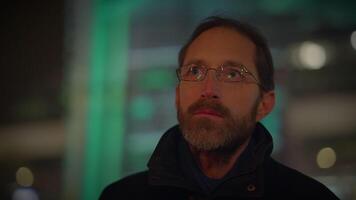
208 112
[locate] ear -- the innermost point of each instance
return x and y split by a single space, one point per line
265 105
177 96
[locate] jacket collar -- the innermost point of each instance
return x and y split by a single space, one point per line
164 167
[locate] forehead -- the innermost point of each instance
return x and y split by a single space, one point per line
219 45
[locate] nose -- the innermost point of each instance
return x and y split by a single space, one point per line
210 86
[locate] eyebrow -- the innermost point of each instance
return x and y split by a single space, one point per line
233 63
202 62
196 61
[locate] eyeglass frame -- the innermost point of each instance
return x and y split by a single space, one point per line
218 70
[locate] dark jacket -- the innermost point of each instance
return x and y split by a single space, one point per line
258 176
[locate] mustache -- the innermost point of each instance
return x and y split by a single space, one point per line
208 104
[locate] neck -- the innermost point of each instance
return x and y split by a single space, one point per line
216 164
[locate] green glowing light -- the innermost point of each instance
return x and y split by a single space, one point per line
157 79
107 88
141 108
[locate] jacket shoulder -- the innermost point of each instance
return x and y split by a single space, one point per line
129 186
286 181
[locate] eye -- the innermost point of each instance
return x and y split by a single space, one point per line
232 74
195 70
192 72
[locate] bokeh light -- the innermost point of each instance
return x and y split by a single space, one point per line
326 157
353 39
24 177
312 55
25 194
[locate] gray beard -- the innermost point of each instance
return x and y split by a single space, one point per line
204 134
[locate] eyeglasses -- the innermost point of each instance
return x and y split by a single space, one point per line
224 73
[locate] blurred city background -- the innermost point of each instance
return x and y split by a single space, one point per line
87 88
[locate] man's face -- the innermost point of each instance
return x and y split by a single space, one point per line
216 115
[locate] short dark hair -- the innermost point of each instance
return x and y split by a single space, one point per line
263 58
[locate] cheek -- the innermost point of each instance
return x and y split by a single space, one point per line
240 101
187 96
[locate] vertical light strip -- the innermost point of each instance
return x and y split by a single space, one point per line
107 86
78 28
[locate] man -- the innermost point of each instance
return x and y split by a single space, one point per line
219 150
